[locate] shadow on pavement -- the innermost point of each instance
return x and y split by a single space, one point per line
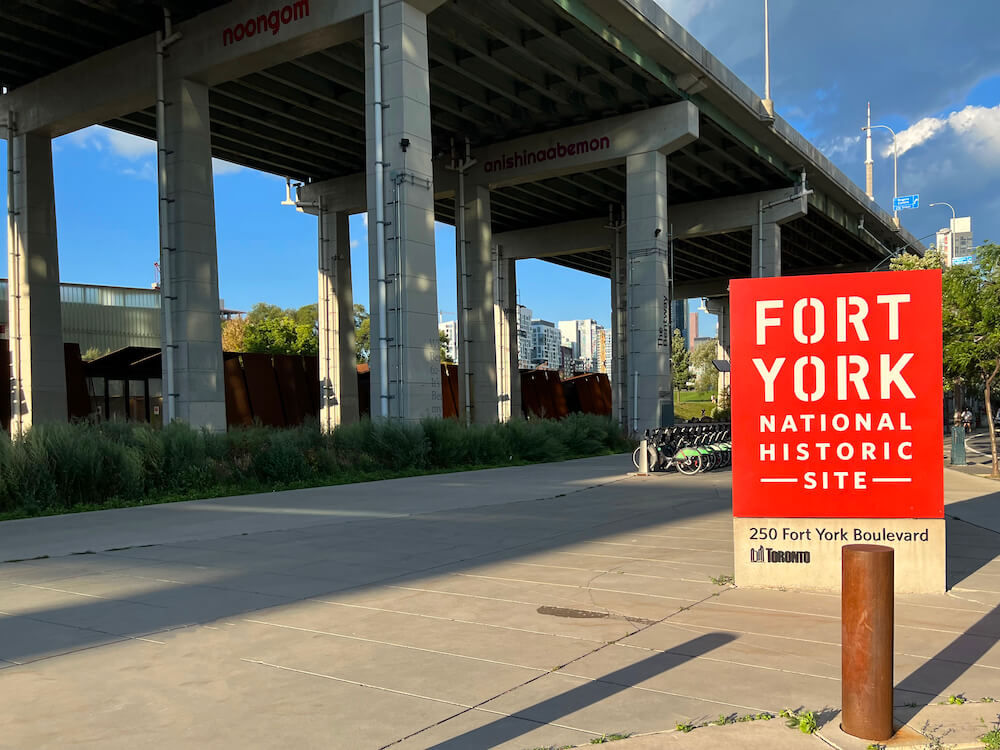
268 569
966 520
552 709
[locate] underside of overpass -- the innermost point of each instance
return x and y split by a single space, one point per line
496 71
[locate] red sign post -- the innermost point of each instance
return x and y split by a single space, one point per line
837 414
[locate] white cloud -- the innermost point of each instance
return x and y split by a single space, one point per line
840 146
685 11
364 219
354 244
146 171
978 129
129 146
133 148
92 137
220 167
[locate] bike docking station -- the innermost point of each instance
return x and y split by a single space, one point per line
836 415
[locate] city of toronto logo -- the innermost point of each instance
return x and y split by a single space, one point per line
766 554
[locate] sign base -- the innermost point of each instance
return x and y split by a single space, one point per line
804 553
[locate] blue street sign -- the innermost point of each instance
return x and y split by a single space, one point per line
905 201
963 260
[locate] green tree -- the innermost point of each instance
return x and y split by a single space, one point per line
270 330
702 356
362 334
445 341
680 360
307 315
971 327
263 311
911 262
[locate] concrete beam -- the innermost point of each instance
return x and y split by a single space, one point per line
689 220
662 129
340 195
591 146
567 238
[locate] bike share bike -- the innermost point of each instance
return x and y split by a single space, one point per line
689 448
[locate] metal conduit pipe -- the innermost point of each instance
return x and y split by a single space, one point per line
383 342
327 386
461 166
13 239
164 39
398 287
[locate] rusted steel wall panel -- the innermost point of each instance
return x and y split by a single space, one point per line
238 411
263 388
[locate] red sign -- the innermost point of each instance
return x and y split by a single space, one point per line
836 396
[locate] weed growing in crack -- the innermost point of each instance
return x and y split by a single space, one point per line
804 721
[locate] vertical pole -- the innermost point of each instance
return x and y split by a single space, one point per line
383 343
643 458
14 288
895 178
768 103
869 163
166 282
867 640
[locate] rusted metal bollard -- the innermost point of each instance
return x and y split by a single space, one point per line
866 640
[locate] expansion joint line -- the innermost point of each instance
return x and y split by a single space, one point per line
639 628
558 668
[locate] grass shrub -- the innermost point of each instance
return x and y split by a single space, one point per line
82 466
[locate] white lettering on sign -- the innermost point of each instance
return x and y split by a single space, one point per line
818 321
857 378
819 378
763 321
893 301
844 317
768 374
889 375
856 319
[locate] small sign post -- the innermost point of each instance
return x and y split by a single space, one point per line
837 403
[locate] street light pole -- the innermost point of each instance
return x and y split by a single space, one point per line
895 170
768 103
951 230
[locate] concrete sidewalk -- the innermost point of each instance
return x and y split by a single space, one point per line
514 608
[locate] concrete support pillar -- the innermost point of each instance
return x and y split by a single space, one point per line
508 373
414 363
38 373
766 251
477 319
193 266
650 390
619 330
719 306
338 376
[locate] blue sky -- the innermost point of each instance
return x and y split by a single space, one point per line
932 74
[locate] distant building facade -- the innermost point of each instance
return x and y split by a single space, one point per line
102 318
546 343
525 343
450 329
955 242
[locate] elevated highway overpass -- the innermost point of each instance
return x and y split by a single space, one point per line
597 135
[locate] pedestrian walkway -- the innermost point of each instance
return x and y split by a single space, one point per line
979 460
514 608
